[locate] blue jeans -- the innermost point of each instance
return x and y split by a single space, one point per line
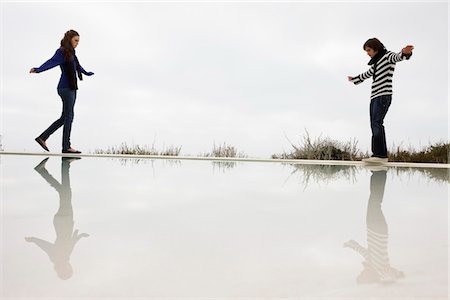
68 97
378 109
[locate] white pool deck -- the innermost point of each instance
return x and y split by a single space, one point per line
233 159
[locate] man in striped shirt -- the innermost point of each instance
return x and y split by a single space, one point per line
382 66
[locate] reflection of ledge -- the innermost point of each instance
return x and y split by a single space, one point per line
235 159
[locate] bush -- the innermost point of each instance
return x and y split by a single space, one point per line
438 153
322 149
139 150
329 149
224 151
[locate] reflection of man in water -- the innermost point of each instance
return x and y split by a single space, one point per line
376 265
59 252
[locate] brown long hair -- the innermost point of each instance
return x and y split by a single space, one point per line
66 44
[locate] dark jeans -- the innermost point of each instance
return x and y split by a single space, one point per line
68 97
378 109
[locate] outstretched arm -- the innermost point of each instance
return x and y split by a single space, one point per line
361 77
77 237
402 55
86 72
82 69
44 245
357 247
56 60
74 240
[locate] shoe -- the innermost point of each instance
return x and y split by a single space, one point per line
375 160
70 159
41 165
70 150
42 143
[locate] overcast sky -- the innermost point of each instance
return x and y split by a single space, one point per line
246 73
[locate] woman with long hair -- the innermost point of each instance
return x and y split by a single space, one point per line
66 59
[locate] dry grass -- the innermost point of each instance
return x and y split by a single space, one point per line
322 149
330 149
437 153
224 151
140 150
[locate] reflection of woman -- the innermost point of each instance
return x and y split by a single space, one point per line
59 252
377 267
67 88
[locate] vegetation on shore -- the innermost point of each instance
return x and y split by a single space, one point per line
140 150
330 149
437 153
224 150
320 148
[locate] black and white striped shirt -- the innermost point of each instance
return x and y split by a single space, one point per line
382 84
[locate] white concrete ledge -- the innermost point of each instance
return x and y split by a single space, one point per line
233 159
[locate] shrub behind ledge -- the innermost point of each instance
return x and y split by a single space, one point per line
322 149
224 151
329 149
140 150
438 153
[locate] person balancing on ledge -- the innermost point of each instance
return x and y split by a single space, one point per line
66 59
382 66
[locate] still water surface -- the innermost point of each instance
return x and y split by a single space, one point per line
110 228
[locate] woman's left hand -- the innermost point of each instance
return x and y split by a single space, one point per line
90 73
